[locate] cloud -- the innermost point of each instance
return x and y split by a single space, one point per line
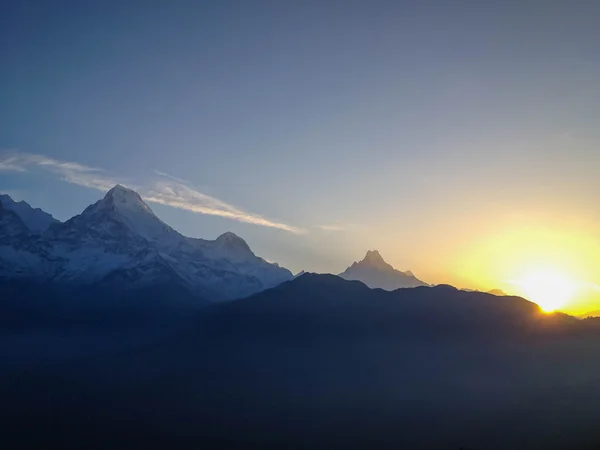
333 228
11 164
71 172
174 192
180 195
171 177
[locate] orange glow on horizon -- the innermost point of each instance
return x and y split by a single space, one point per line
557 269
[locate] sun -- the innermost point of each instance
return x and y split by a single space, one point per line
550 289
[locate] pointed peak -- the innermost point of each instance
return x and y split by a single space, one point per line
373 256
120 191
123 197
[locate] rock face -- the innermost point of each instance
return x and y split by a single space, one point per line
119 242
376 273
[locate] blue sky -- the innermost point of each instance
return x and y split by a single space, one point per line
391 125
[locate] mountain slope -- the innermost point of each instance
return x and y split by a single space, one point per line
376 273
120 242
35 219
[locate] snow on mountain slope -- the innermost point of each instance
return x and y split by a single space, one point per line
121 214
11 224
376 273
119 241
35 219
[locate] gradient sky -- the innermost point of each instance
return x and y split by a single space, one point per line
446 134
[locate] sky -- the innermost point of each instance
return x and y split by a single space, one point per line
460 138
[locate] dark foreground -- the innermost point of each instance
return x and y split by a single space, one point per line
313 373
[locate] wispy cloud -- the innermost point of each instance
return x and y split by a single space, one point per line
333 228
171 177
11 164
70 172
180 195
174 192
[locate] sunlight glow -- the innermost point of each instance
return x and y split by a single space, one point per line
551 290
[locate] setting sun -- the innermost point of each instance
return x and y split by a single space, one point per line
550 289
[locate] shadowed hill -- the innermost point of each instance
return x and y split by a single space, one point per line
320 362
330 305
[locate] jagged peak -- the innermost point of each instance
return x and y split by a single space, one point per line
7 199
35 219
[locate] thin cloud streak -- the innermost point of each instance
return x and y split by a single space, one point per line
333 228
182 196
171 177
11 164
71 172
175 192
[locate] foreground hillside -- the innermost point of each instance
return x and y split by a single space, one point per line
317 362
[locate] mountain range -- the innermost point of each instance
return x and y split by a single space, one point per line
119 242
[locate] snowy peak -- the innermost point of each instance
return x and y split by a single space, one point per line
120 213
373 255
232 242
35 219
376 273
125 201
373 258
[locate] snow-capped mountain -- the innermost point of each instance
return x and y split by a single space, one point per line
119 241
376 273
35 219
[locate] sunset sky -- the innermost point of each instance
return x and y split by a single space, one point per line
459 138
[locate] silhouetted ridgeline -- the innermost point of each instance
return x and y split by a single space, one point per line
316 362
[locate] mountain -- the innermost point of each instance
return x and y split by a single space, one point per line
498 292
317 362
590 314
35 219
11 224
118 242
376 273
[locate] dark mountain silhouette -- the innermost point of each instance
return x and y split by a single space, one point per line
376 273
590 314
316 362
498 292
315 303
